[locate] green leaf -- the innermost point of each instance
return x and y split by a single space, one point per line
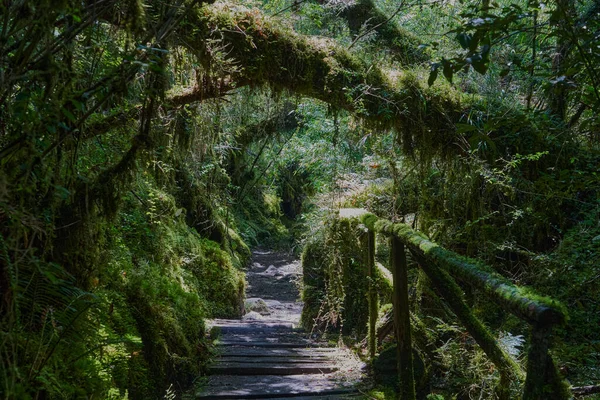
433 74
68 114
474 42
464 39
447 70
462 128
485 51
78 105
480 66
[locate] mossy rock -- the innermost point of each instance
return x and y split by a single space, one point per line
257 305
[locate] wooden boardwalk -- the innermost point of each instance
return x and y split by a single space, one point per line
264 355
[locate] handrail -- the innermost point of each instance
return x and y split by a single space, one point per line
441 265
523 303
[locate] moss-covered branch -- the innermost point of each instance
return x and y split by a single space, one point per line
263 53
207 89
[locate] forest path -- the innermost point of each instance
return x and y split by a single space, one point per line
265 356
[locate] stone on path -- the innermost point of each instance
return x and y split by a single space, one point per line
252 316
258 305
272 270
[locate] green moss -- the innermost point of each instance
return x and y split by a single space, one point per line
334 274
403 45
321 69
384 285
219 282
523 302
385 368
260 220
369 220
314 258
161 279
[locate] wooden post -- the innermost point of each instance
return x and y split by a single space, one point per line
537 358
543 381
402 320
372 296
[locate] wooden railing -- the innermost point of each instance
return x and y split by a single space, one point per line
442 266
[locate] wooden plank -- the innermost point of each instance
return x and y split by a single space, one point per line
308 395
281 360
267 338
265 321
328 396
278 352
262 339
257 331
257 324
270 384
266 335
270 344
243 368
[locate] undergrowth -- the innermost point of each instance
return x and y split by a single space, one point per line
139 327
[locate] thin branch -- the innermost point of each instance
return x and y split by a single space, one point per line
362 35
575 118
294 4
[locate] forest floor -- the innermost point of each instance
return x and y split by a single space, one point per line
265 355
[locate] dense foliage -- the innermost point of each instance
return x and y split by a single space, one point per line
144 145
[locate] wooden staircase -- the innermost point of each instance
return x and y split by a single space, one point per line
271 359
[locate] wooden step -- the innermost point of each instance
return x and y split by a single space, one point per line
322 396
329 395
252 368
247 351
257 329
281 360
262 344
266 334
271 387
233 323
